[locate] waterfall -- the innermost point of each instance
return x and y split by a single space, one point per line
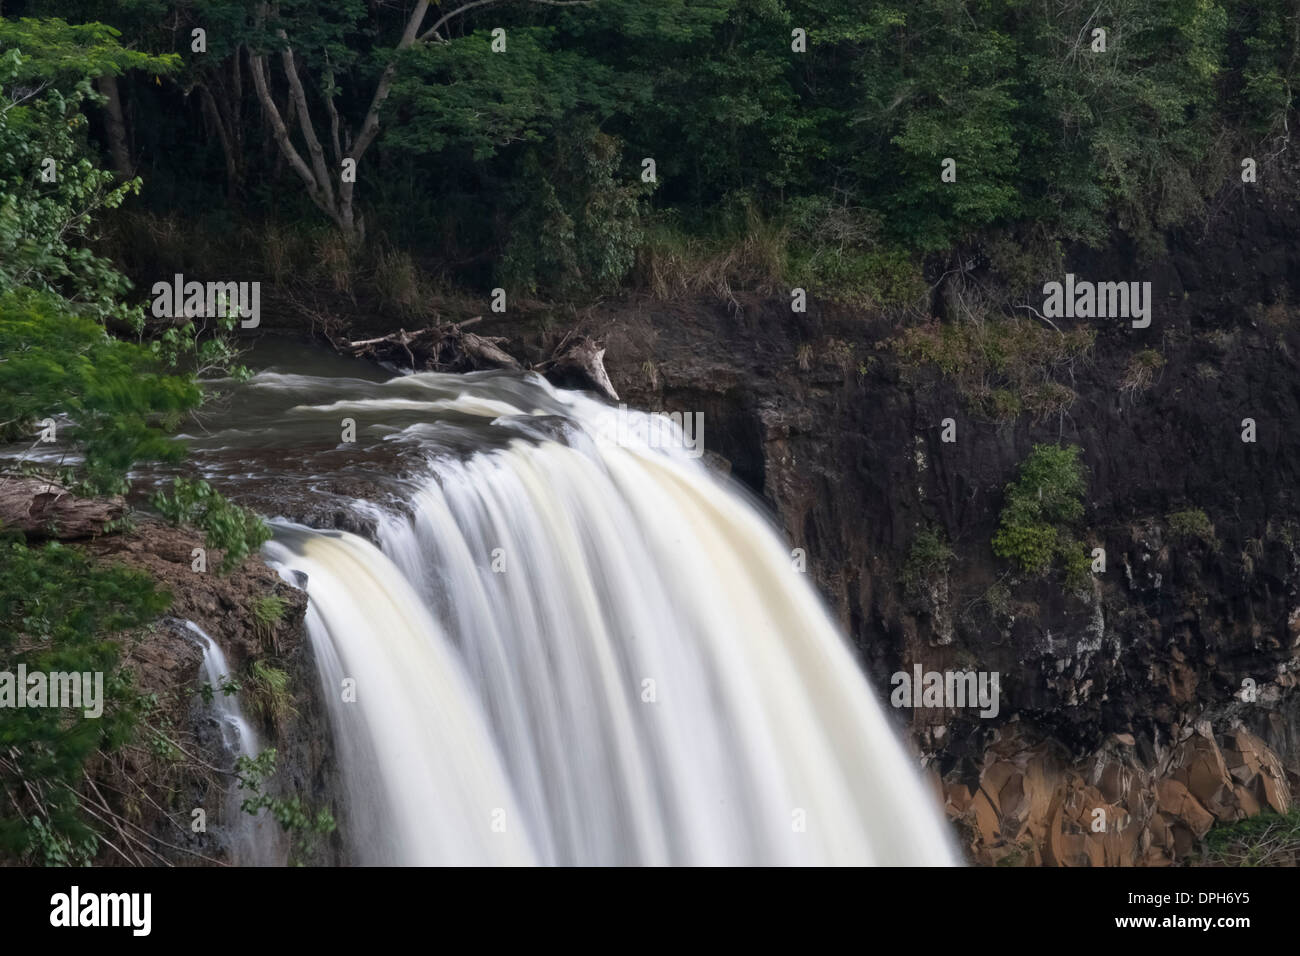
253 842
577 645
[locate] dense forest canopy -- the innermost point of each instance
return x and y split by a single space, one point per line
469 127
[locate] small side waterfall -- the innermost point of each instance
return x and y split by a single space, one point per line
253 840
571 649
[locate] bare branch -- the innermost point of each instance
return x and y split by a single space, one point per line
334 114
304 119
260 71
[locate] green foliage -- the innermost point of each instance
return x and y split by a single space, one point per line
927 560
292 813
1191 523
1266 839
482 157
461 95
1076 561
268 611
576 226
1128 130
835 251
235 531
46 227
43 225
199 350
226 684
268 692
57 610
48 64
1270 68
65 53
941 84
1041 505
116 394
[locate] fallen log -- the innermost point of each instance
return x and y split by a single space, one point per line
445 348
579 363
42 508
487 352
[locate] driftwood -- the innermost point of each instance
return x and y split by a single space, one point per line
486 352
581 364
449 348
439 348
41 508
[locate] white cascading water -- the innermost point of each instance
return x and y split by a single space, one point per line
580 650
253 840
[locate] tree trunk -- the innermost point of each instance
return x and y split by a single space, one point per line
227 145
115 126
41 508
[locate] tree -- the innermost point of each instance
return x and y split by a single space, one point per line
50 190
331 186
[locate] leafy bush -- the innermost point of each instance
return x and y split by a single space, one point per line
116 394
294 816
1041 504
927 559
1191 523
577 222
235 531
1266 839
57 610
43 225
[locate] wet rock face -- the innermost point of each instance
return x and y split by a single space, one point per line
166 661
1160 650
221 604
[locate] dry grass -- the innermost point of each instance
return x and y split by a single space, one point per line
397 281
1140 372
673 266
1000 366
334 260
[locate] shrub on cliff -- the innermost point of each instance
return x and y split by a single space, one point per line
1191 523
1267 839
927 561
1041 506
228 528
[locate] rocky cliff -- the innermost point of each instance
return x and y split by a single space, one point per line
1136 711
